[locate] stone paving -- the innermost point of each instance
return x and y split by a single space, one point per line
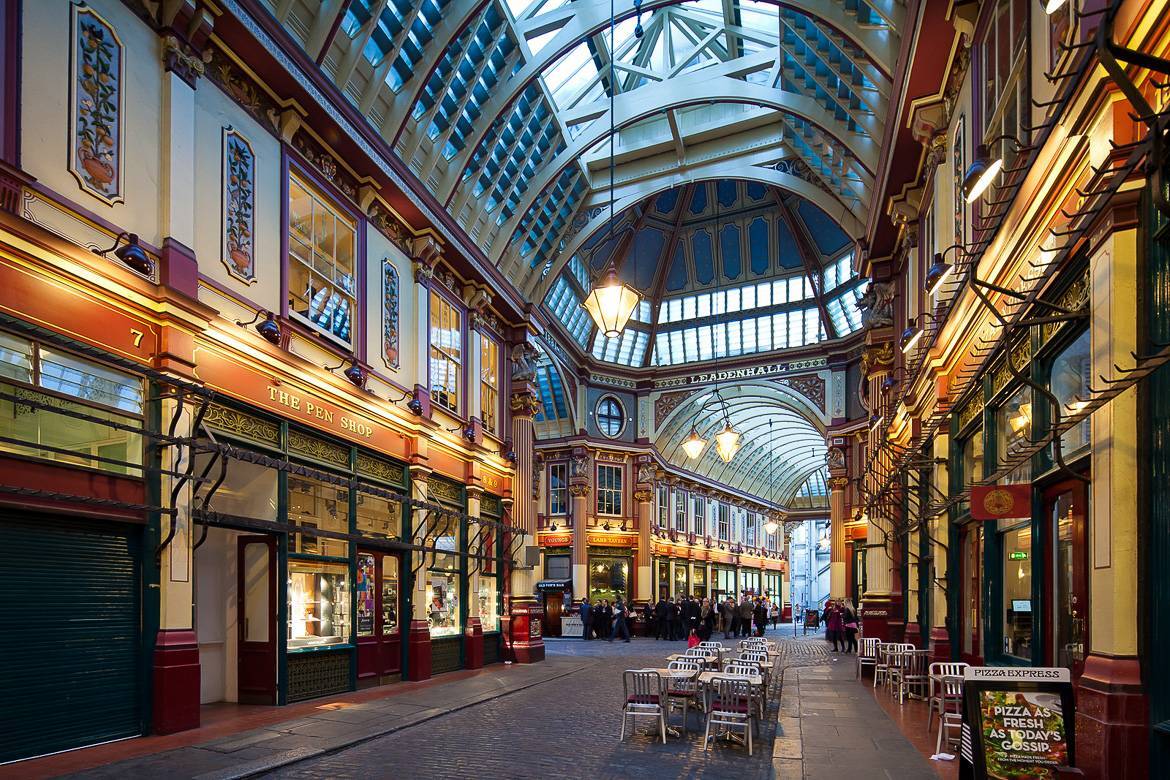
562 718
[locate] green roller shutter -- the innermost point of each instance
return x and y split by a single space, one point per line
70 644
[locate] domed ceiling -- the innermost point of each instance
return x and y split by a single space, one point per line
726 268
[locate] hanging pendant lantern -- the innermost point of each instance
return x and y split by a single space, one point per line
611 303
727 442
693 445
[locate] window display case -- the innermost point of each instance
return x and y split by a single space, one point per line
443 603
318 605
488 600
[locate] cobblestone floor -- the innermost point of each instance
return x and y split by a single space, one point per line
566 728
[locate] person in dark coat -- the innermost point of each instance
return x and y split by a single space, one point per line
834 627
598 616
746 608
727 613
607 623
760 613
662 624
674 620
620 627
691 612
586 608
648 617
706 620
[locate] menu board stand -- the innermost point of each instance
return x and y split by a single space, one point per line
1018 724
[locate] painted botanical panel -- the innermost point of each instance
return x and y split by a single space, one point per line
95 106
390 297
958 169
239 206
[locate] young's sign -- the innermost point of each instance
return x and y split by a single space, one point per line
1017 723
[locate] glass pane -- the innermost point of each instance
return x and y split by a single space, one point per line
389 594
88 381
1017 593
316 504
257 590
377 516
365 594
443 603
248 490
318 604
15 358
608 577
1070 384
488 603
1070 614
1013 432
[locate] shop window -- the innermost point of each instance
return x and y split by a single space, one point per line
489 383
390 590
609 577
680 579
72 385
972 466
318 604
379 517
680 511
445 532
611 417
1016 544
750 530
699 584
443 602
972 564
724 522
558 567
1003 53
322 245
609 490
1013 429
313 504
488 603
446 353
248 489
1071 372
367 583
557 488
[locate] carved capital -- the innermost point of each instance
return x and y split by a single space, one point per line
579 490
182 60
878 359
838 483
644 495
424 253
524 404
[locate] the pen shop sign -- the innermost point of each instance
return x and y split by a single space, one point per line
1017 723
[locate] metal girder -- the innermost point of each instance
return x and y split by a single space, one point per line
809 258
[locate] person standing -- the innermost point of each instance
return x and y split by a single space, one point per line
732 626
849 619
746 609
706 620
726 615
833 625
587 628
599 619
692 614
760 613
619 621
660 619
674 619
648 617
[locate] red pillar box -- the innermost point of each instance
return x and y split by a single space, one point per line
418 651
527 643
473 644
881 618
176 681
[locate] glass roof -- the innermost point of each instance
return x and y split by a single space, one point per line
779 276
502 107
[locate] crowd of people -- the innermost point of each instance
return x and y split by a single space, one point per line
840 620
679 619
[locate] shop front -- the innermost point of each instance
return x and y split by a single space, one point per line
723 582
489 582
699 580
555 588
610 561
444 586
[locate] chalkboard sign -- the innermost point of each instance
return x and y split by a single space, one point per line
1017 723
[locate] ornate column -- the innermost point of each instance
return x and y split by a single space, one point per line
579 488
418 638
881 603
644 499
424 254
838 481
523 609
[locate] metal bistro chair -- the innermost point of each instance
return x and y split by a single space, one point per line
760 657
752 669
881 666
912 675
645 698
939 694
682 689
950 719
730 705
703 655
868 655
898 659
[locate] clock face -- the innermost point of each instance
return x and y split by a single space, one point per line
998 502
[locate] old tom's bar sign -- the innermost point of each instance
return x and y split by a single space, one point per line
1017 723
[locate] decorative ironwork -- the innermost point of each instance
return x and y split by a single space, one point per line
243 425
317 674
318 449
811 386
387 471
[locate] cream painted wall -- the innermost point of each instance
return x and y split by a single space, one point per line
378 248
215 111
45 140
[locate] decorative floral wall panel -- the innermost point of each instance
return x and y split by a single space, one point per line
95 105
239 206
390 327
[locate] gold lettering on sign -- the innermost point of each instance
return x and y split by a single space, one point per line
314 410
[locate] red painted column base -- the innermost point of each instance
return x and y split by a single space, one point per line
881 616
912 633
940 644
1112 719
418 651
176 681
473 644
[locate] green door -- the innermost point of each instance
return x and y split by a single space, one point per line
70 644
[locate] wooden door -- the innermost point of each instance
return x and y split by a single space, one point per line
1066 569
256 615
379 633
553 607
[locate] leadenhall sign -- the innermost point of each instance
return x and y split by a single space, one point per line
737 373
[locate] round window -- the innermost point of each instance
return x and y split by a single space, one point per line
611 418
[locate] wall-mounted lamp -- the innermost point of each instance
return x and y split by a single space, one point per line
913 333
984 168
355 373
269 328
939 268
132 255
